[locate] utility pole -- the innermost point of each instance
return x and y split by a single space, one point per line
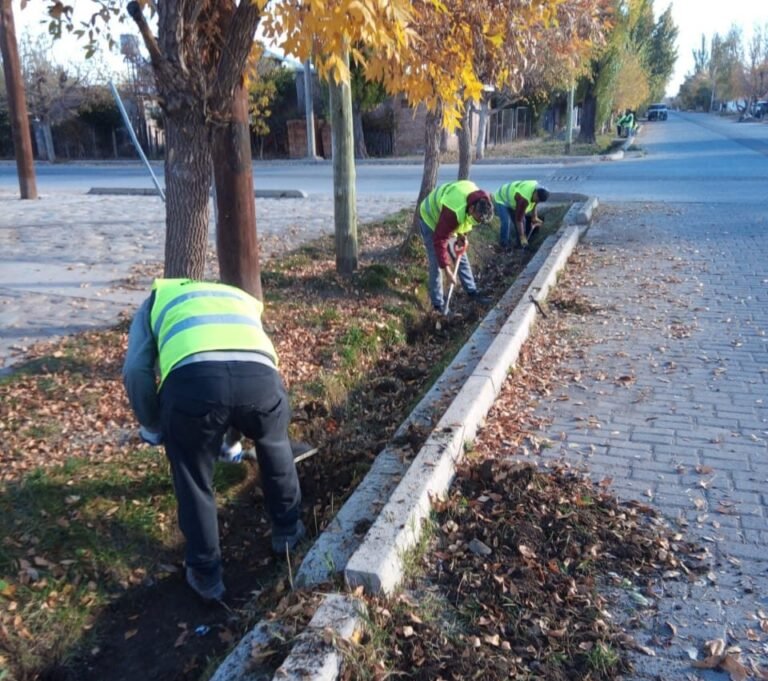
17 103
309 111
569 121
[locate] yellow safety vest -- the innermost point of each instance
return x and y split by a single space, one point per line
452 195
190 316
505 194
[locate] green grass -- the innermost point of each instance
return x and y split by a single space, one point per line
77 536
532 147
603 659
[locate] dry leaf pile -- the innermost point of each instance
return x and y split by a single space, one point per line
513 578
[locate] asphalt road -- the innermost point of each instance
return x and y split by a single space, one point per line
689 158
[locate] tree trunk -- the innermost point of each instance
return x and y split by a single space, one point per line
187 181
443 145
432 132
482 125
17 103
465 143
237 244
50 150
588 117
361 151
344 198
196 80
569 121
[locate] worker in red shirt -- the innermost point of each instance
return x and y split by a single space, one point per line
447 215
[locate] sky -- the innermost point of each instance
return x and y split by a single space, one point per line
32 20
696 17
692 17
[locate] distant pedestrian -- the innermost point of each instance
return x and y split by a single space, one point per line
626 124
217 369
517 203
447 215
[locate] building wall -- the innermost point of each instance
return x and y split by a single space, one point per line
409 129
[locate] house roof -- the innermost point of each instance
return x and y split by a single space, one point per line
287 61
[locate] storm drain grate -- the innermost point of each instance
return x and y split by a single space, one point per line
566 178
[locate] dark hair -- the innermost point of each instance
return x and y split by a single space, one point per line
484 210
542 193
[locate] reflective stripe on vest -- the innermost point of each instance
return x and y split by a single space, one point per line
452 195
189 317
505 194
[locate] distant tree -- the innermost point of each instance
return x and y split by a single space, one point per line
701 57
638 49
726 70
695 92
662 54
51 90
100 113
756 65
632 86
367 94
267 82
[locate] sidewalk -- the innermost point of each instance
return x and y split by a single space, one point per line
670 404
69 262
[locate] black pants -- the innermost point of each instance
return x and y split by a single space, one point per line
199 402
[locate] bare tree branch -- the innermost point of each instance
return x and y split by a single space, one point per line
134 11
237 46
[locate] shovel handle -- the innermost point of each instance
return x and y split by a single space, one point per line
450 288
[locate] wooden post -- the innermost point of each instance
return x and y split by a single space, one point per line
344 198
17 104
237 244
309 112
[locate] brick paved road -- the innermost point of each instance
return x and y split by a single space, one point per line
672 404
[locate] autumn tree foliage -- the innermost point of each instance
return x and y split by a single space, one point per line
475 47
546 58
639 53
632 87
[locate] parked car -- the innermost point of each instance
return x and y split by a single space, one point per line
657 112
759 109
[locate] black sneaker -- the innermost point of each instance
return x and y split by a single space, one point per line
480 298
282 539
209 588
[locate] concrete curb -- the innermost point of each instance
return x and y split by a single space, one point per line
148 191
619 155
376 563
316 655
341 538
